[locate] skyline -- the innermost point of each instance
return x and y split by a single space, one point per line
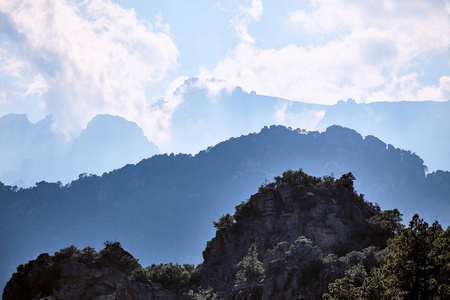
76 59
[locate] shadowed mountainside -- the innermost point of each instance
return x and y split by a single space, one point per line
161 208
316 217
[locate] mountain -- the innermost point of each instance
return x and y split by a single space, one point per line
205 118
291 240
28 150
162 208
34 152
421 127
107 143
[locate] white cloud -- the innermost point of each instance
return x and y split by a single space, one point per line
87 58
307 119
161 112
245 15
366 49
38 86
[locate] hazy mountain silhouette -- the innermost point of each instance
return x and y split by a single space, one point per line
420 126
109 142
161 209
26 148
203 120
34 152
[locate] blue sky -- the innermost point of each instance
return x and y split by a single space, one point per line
77 59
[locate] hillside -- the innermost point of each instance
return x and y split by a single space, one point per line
299 237
327 212
161 209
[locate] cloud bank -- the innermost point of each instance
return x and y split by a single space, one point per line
80 59
367 50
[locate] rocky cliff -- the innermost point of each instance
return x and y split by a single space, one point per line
297 226
328 214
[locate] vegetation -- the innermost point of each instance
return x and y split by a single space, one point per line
250 267
326 186
225 221
416 266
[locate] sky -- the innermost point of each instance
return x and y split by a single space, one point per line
76 59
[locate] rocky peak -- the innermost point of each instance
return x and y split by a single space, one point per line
327 212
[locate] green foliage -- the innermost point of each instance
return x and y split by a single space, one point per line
301 240
113 255
346 181
343 288
172 276
66 253
292 178
225 221
88 255
384 226
419 261
203 294
329 258
417 267
140 274
250 267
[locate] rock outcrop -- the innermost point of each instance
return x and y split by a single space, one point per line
327 212
298 224
72 274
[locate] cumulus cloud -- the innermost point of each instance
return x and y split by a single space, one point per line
85 58
367 50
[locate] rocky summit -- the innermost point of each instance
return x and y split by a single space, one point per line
283 243
294 223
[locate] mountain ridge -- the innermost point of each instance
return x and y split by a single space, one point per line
170 198
298 223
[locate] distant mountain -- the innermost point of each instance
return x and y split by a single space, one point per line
161 209
421 126
28 150
202 120
34 152
107 143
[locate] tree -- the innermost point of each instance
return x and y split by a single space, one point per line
225 221
417 267
250 267
346 180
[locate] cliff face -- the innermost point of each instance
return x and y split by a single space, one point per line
298 224
329 214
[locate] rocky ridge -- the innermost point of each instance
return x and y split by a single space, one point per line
298 224
294 223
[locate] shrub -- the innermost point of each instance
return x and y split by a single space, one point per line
225 221
250 267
